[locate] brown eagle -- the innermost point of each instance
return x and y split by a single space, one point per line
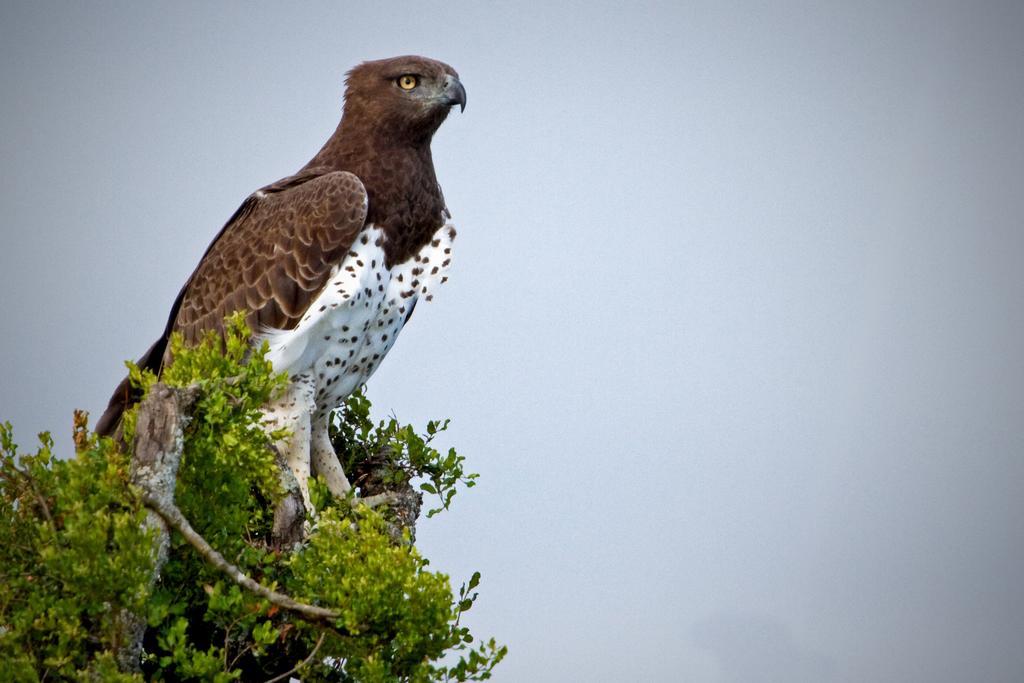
329 263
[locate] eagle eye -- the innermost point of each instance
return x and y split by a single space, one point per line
408 82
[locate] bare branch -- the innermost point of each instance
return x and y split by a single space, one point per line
159 439
173 517
159 442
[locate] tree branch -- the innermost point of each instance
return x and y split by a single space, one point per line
158 447
159 440
173 517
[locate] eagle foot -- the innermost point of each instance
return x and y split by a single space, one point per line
376 500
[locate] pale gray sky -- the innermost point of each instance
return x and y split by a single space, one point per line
735 325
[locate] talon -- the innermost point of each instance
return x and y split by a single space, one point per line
373 501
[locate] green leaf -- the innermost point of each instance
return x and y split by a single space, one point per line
76 555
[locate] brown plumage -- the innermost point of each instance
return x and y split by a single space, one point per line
277 252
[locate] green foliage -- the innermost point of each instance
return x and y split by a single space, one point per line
394 613
400 450
75 556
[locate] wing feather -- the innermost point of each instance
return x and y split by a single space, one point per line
277 255
271 259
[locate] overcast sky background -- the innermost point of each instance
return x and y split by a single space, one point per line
734 329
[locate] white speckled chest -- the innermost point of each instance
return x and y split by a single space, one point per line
357 317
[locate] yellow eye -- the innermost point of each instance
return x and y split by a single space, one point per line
408 82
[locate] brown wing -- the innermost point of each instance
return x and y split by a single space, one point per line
270 259
275 256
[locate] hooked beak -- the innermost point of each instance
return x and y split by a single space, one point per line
454 93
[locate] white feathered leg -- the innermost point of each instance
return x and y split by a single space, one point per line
293 411
327 465
325 461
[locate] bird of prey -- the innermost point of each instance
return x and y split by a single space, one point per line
329 263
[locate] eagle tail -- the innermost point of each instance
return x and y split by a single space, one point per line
125 396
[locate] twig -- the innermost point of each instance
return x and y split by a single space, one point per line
239 656
301 664
173 517
227 636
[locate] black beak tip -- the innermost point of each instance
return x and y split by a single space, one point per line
460 96
456 93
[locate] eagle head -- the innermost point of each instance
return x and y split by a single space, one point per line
406 96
